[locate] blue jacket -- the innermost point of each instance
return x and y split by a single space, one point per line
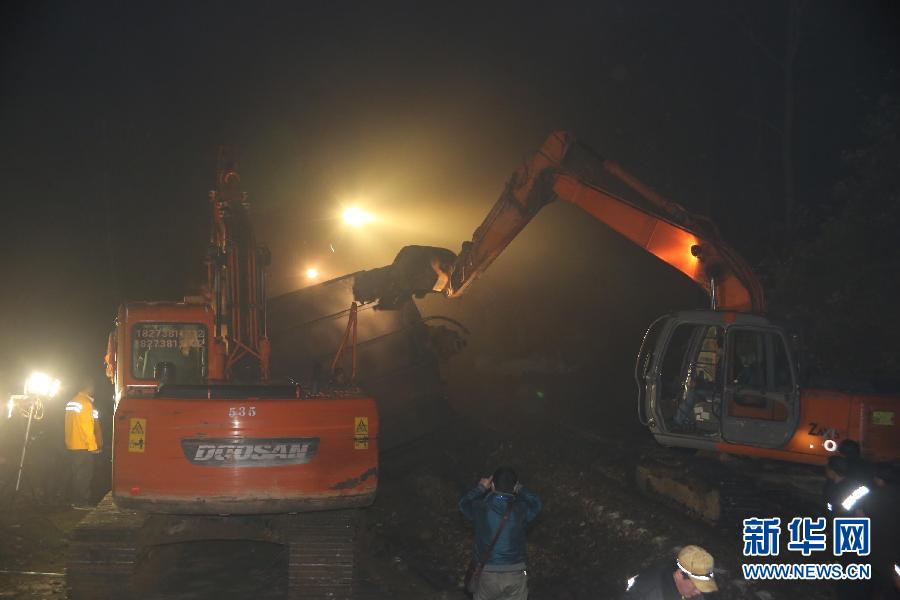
486 510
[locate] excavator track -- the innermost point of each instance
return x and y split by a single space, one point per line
107 546
726 491
321 555
103 553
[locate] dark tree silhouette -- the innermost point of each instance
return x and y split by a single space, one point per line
841 280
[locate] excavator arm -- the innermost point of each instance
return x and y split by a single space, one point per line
236 273
567 170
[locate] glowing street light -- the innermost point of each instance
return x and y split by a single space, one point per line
41 384
312 273
355 216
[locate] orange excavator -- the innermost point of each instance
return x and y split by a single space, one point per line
723 379
206 446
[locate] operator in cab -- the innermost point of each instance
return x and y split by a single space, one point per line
84 439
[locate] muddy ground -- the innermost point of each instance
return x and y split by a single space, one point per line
597 528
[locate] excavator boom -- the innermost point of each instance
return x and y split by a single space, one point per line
567 170
236 273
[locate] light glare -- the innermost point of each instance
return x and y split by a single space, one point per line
41 384
355 216
312 273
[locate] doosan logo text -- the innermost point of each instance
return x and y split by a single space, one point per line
250 452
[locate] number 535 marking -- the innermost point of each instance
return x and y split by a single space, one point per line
242 411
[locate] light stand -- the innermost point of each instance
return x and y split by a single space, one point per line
35 404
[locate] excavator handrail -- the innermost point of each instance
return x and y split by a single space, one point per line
642 417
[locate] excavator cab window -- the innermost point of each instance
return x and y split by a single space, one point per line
748 367
781 361
672 371
642 375
760 391
759 371
181 345
691 379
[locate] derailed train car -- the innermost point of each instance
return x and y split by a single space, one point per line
398 353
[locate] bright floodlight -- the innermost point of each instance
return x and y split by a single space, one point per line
41 384
355 216
312 273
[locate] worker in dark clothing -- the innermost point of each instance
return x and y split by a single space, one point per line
859 467
849 492
845 489
501 508
690 577
865 491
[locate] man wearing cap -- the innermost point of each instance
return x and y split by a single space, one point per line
690 577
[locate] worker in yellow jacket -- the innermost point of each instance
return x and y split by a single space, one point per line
84 439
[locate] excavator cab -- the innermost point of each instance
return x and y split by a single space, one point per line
708 377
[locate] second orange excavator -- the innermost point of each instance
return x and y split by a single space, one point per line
723 378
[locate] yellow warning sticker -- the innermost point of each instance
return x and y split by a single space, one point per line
883 417
360 433
137 435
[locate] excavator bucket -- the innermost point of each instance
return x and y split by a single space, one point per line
416 270
396 354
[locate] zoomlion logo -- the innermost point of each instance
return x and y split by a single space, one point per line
258 452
